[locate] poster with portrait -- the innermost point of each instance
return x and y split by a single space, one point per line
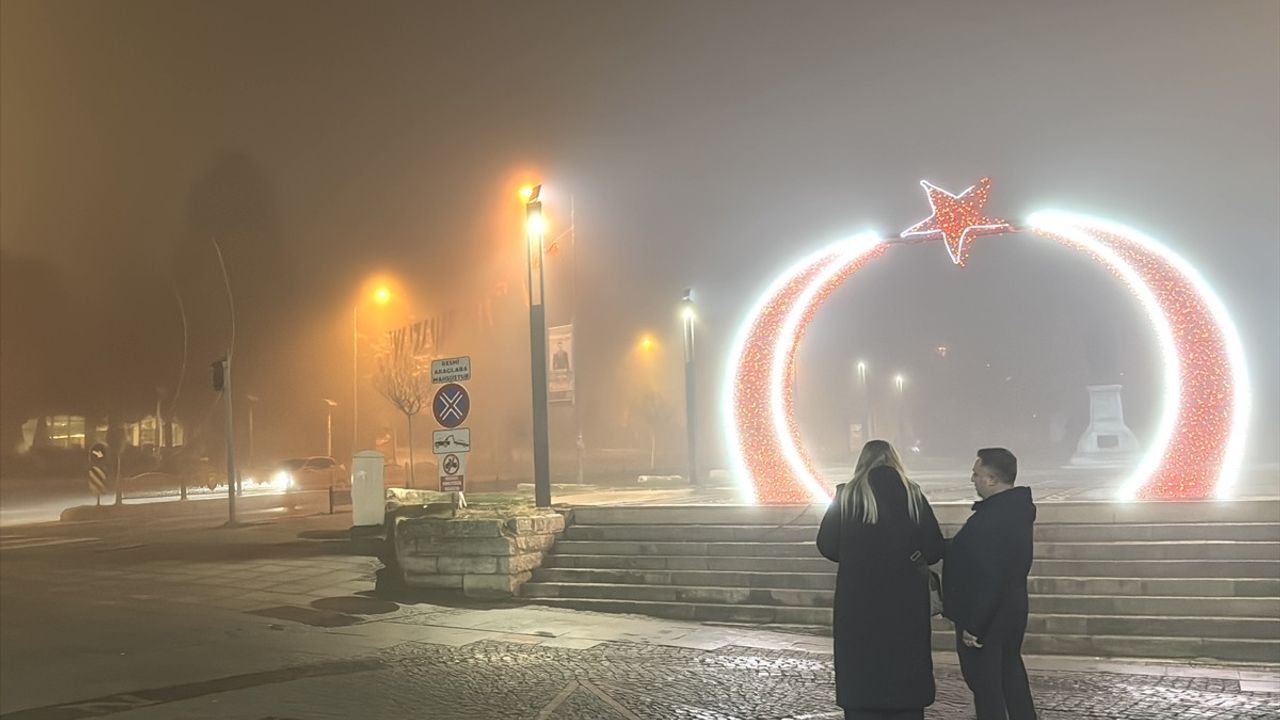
560 376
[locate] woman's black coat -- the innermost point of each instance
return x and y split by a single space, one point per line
883 653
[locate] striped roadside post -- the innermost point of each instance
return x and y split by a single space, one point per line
98 471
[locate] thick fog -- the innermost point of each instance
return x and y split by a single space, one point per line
331 147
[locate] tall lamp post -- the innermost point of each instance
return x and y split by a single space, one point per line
328 426
253 402
865 399
535 229
900 382
381 296
688 314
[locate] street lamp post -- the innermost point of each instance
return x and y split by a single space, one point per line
253 402
865 398
355 380
899 382
381 296
535 226
328 422
688 314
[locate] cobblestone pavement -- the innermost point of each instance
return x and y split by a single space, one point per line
520 680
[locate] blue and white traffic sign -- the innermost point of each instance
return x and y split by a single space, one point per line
451 406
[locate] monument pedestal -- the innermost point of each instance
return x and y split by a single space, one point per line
1107 440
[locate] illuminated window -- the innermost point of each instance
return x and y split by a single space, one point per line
65 431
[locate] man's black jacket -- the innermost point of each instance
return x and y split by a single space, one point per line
987 563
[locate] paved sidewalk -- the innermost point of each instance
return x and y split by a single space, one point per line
277 620
434 661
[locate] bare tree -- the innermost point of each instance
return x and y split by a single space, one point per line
656 412
405 381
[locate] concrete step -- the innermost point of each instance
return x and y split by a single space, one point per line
694 533
1233 648
1132 587
1126 569
561 559
1094 532
1160 550
1228 649
707 549
1267 569
1265 608
705 578
681 594
1147 625
1238 511
1045 532
698 515
755 614
1160 587
1154 550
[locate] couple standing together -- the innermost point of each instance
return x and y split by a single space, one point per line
882 531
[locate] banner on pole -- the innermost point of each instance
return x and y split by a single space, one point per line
560 378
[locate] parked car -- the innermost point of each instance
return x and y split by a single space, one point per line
313 473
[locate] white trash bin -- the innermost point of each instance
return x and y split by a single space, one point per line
368 494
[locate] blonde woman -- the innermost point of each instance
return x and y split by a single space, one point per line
879 528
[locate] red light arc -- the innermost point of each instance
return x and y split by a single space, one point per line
1196 450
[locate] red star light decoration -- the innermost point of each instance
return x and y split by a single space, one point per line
957 218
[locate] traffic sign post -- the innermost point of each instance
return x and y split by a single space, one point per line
451 405
98 470
450 408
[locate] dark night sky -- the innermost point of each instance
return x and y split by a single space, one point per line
705 144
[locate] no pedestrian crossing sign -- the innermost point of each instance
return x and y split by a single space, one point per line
451 406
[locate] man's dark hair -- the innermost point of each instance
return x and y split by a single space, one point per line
1001 462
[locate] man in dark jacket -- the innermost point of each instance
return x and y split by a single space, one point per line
984 589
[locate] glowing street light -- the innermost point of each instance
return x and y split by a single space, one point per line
535 230
329 426
865 399
689 314
381 296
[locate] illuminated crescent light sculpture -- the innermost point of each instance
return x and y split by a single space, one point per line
1198 445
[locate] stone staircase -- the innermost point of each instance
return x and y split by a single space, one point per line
1154 580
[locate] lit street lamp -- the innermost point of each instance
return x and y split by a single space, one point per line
381 296
253 402
535 230
865 398
328 420
689 314
899 382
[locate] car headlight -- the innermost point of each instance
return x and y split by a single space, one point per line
282 481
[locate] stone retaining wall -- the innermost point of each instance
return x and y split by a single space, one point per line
484 558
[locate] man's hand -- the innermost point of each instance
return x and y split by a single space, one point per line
969 639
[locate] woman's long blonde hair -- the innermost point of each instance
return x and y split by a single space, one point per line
859 501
